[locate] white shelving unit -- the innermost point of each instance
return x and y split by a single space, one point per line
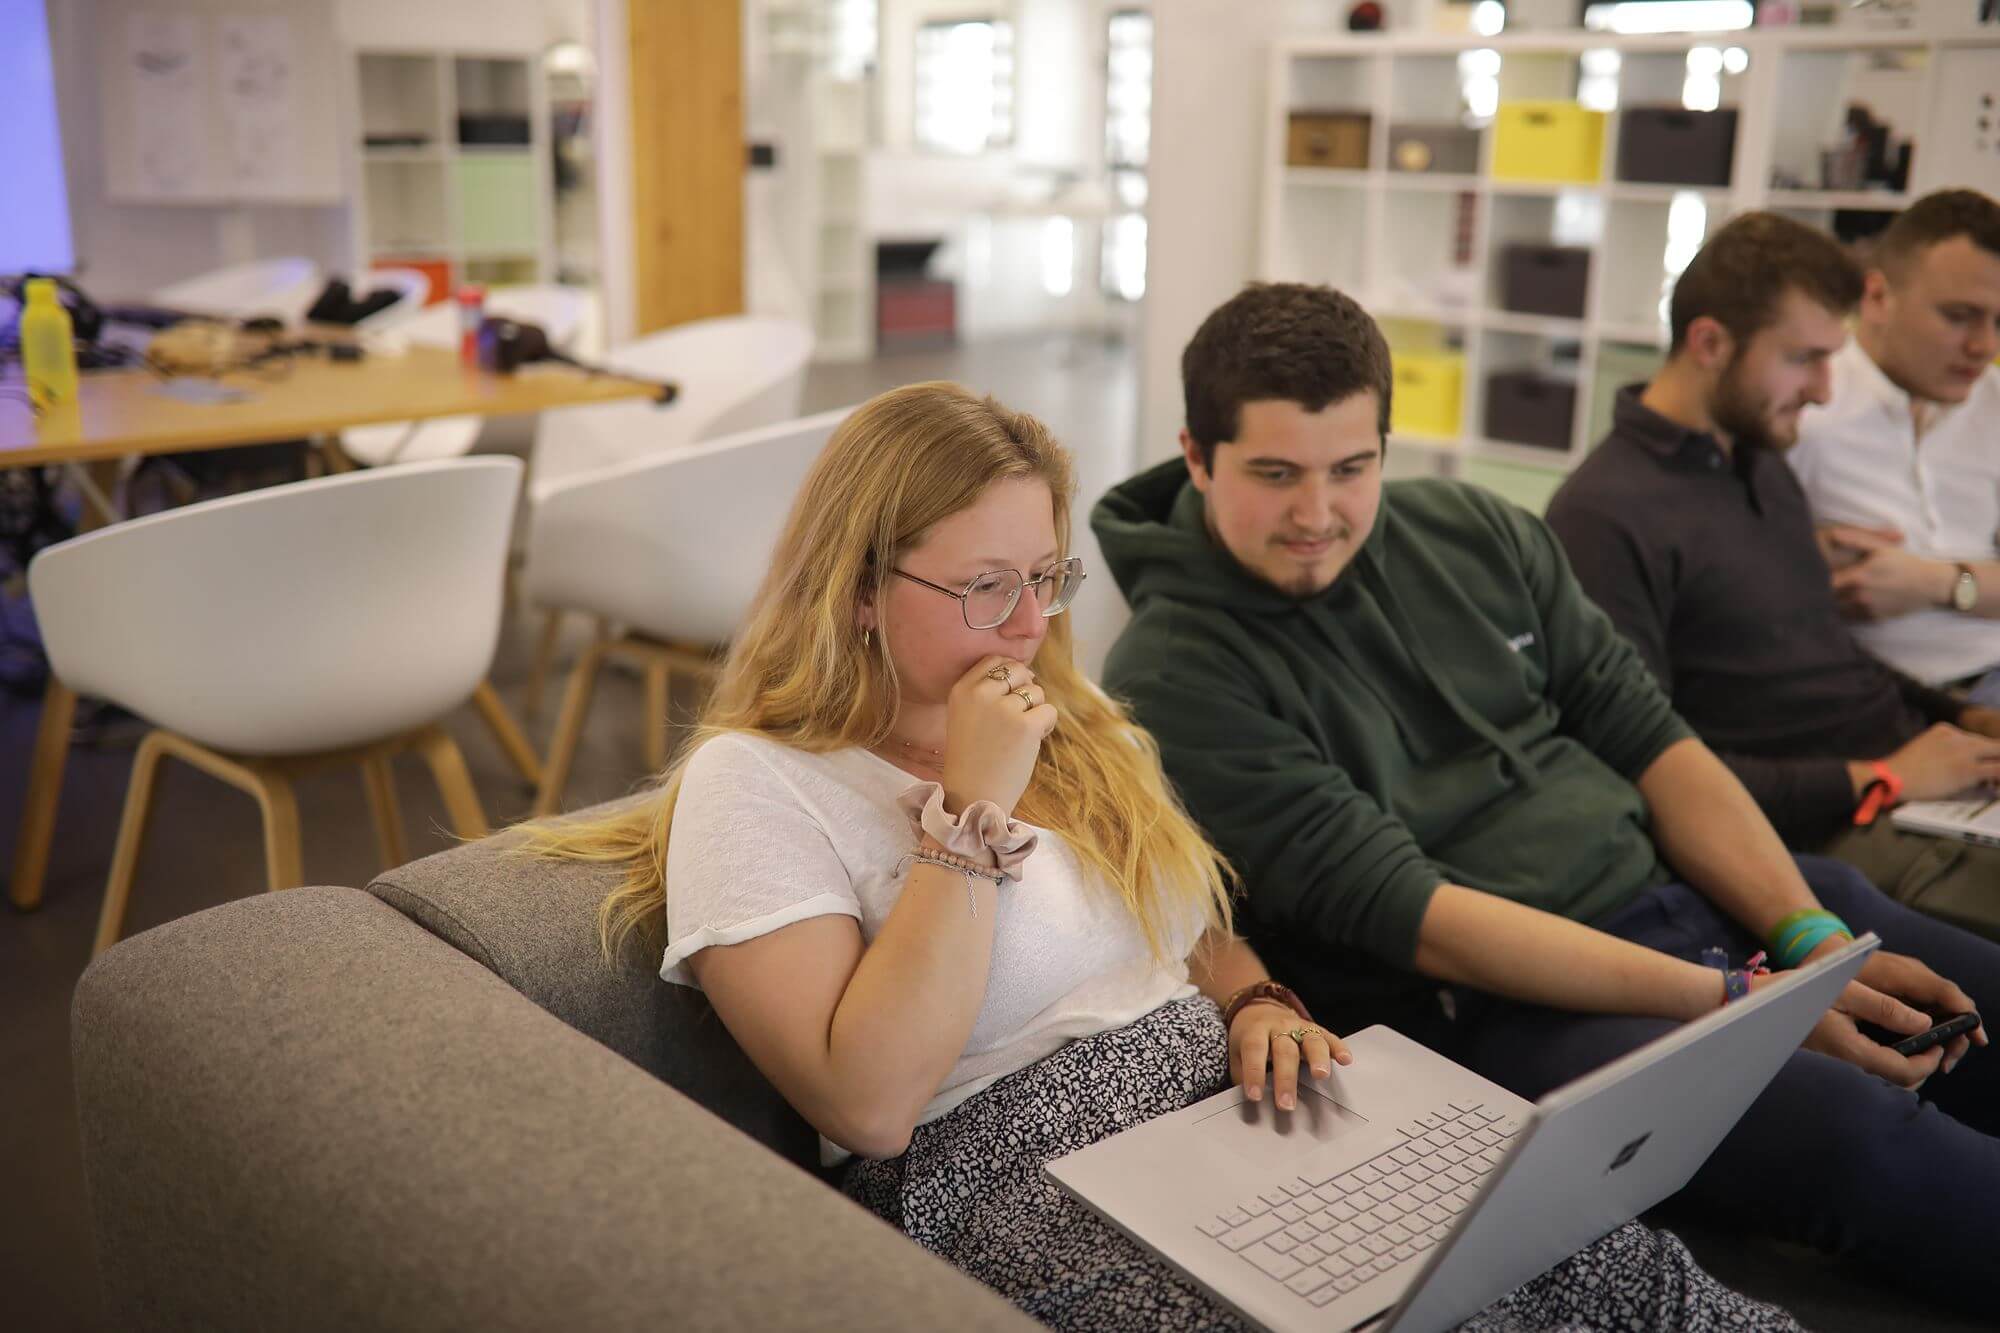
1393 239
843 251
466 212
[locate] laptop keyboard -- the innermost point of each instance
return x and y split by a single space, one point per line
1323 1235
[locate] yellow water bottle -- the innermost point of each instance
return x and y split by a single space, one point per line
48 346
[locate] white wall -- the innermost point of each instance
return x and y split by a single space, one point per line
126 250
1210 59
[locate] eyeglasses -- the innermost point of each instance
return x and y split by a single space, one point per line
991 597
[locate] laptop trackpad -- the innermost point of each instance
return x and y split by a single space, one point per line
1258 1132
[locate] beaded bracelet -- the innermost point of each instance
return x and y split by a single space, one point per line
969 868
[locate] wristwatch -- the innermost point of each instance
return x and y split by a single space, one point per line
1964 589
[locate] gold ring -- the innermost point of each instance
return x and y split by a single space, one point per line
1025 698
1299 1035
999 673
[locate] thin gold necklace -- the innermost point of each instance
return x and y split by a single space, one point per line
921 754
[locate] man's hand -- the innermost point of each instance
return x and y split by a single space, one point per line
1896 992
1844 543
1909 980
1889 581
1981 720
1943 761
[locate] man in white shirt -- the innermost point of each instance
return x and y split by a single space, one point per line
1902 465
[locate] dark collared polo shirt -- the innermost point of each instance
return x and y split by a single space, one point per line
1707 562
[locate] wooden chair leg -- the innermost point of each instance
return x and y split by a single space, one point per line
381 784
45 778
335 457
569 730
454 780
508 732
545 663
659 685
284 857
131 835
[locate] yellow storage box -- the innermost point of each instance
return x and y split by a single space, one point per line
1428 394
1548 141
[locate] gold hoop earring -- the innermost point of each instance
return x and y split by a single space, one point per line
868 638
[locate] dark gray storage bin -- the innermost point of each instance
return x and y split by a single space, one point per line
1451 149
1530 407
1544 280
1670 145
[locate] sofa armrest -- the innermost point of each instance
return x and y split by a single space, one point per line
304 1111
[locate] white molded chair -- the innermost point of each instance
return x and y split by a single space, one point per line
671 548
282 287
735 373
326 621
562 312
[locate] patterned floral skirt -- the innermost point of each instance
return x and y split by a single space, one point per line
970 1189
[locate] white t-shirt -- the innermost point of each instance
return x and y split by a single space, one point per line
1860 461
765 835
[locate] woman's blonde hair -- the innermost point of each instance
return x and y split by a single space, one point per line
802 673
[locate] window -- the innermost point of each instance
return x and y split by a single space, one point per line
1128 137
852 25
1128 90
965 85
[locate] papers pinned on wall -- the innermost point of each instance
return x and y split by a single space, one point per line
203 104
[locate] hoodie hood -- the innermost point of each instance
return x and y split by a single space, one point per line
1153 530
1155 539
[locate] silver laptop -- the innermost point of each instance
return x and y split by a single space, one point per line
1409 1187
1968 818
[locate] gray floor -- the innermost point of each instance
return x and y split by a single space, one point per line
204 849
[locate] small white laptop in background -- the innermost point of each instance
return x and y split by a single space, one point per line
1967 818
1406 1193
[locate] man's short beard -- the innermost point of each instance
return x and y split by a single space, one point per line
1733 411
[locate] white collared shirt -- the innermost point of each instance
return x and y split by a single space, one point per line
1860 461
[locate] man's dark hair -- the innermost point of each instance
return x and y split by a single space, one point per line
1934 218
1744 271
1280 340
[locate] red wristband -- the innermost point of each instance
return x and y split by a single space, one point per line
1885 791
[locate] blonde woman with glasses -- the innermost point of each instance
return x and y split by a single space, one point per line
935 885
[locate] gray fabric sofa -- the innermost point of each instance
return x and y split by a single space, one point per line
431 1105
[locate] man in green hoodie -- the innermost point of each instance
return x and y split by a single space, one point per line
1454 794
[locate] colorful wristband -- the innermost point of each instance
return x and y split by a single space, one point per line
1735 981
1795 937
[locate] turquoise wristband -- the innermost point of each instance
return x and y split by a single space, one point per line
1799 934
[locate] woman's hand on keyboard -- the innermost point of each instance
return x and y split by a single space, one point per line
1267 1033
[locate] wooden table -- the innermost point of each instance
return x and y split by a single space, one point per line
123 413
126 413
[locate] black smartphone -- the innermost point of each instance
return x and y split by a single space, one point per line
1944 1031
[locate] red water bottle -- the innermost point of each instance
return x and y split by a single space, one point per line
471 309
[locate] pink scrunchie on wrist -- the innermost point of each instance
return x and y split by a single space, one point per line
981 832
